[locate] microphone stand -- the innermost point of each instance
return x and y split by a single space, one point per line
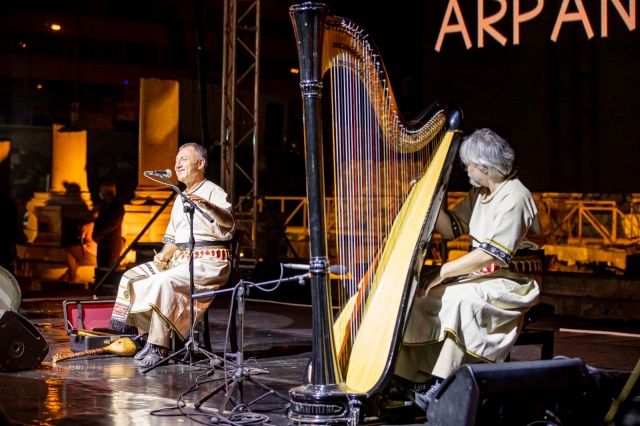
191 347
241 374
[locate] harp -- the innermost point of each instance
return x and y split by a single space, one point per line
389 179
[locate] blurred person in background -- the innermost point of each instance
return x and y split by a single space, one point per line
107 230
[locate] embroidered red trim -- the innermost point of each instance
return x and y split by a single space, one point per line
222 254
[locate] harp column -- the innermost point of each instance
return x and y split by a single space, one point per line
322 396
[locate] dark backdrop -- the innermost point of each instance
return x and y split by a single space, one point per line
569 108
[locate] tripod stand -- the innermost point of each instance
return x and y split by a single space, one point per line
241 374
191 347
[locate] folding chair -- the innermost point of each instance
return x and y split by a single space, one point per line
234 277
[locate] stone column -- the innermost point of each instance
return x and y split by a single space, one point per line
158 146
69 161
68 200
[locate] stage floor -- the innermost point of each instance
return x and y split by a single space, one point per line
110 390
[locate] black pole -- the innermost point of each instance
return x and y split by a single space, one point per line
308 20
192 245
323 394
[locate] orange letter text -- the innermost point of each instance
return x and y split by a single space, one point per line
564 16
453 28
484 24
520 18
628 18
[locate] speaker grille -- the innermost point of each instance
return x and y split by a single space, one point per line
22 346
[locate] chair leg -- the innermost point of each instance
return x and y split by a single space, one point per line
206 335
547 347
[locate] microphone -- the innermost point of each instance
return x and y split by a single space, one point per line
338 270
296 266
334 269
166 173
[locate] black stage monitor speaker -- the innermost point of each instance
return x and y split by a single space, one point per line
549 392
22 347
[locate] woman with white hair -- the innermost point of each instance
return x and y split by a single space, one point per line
470 309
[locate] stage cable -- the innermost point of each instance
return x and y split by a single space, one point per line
235 418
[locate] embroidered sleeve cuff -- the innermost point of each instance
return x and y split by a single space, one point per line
496 251
455 225
168 240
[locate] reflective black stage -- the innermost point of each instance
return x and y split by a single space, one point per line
110 390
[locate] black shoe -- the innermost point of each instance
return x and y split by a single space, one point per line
398 387
423 400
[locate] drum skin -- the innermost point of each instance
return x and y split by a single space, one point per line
10 294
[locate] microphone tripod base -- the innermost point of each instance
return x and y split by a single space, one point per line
235 382
188 353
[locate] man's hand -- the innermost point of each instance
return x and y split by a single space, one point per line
222 215
428 280
203 202
160 260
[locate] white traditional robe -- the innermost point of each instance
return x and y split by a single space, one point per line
475 317
150 299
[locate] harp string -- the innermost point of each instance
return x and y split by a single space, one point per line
375 165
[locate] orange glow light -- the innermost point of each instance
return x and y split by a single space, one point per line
56 27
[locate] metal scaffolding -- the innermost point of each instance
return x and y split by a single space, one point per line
240 109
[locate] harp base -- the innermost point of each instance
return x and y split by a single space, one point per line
324 404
